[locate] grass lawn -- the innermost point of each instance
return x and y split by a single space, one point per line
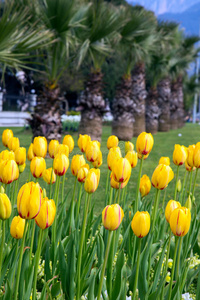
163 146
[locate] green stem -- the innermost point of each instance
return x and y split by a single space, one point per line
119 192
175 192
194 183
137 271
164 196
2 245
173 268
20 262
116 193
138 184
188 174
183 187
104 265
178 258
29 176
110 197
37 262
15 192
166 262
81 246
79 202
155 209
107 180
191 173
71 222
63 187
56 202
32 240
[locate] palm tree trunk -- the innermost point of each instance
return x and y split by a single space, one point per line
92 107
152 111
164 93
139 96
176 104
123 109
181 111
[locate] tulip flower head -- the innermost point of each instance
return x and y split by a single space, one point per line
118 185
53 148
113 154
17 227
92 180
20 155
141 223
83 141
179 155
47 213
188 168
82 173
92 151
6 154
165 160
132 158
60 164
121 170
140 156
190 157
37 166
97 163
162 175
78 161
64 149
30 153
48 177
6 136
5 207
40 146
180 221
13 143
112 216
171 206
144 143
128 147
8 171
112 141
145 185
196 158
68 140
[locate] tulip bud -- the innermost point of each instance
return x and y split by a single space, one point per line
92 151
40 146
178 186
13 143
6 136
48 177
30 153
77 162
171 206
37 166
68 140
141 223
112 216
22 168
164 160
144 143
162 175
113 154
196 157
5 207
53 148
112 141
8 171
82 174
60 164
132 158
64 149
180 221
83 141
97 163
188 203
29 200
121 170
2 190
44 193
20 155
128 147
145 185
190 157
92 180
116 185
17 227
179 155
47 213
7 155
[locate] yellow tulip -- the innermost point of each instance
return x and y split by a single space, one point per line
116 185
180 221
196 158
92 180
144 143
6 154
145 185
113 154
132 158
64 149
13 143
141 223
140 156
162 175
190 157
83 141
53 148
179 155
17 227
171 206
77 162
47 213
121 170
47 176
128 147
97 163
112 141
5 207
92 151
165 160
6 136
60 164
37 166
112 216
82 173
40 146
68 140
188 168
30 153
20 155
8 171
22 168
29 200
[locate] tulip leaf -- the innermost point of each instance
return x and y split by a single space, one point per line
72 269
122 294
118 279
89 260
30 282
63 269
155 295
100 250
198 285
43 293
192 273
96 225
91 285
55 289
8 293
23 274
6 263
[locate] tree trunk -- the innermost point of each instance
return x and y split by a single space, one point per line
181 112
139 95
176 104
46 119
164 93
123 109
152 111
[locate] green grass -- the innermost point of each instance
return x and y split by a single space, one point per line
163 146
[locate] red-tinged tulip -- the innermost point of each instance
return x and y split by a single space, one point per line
82 173
5 207
47 213
29 200
162 175
144 143
145 185
196 158
6 154
20 155
188 168
92 180
165 160
60 164
171 206
13 143
40 146
8 171
30 153
132 158
113 154
141 224
68 140
17 227
140 156
117 185
180 221
112 216
128 147
179 155
112 141
97 163
83 141
121 170
64 149
77 162
37 166
92 151
190 157
48 177
53 148
6 136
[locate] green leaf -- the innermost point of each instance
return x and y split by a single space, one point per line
118 279
63 268
55 289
